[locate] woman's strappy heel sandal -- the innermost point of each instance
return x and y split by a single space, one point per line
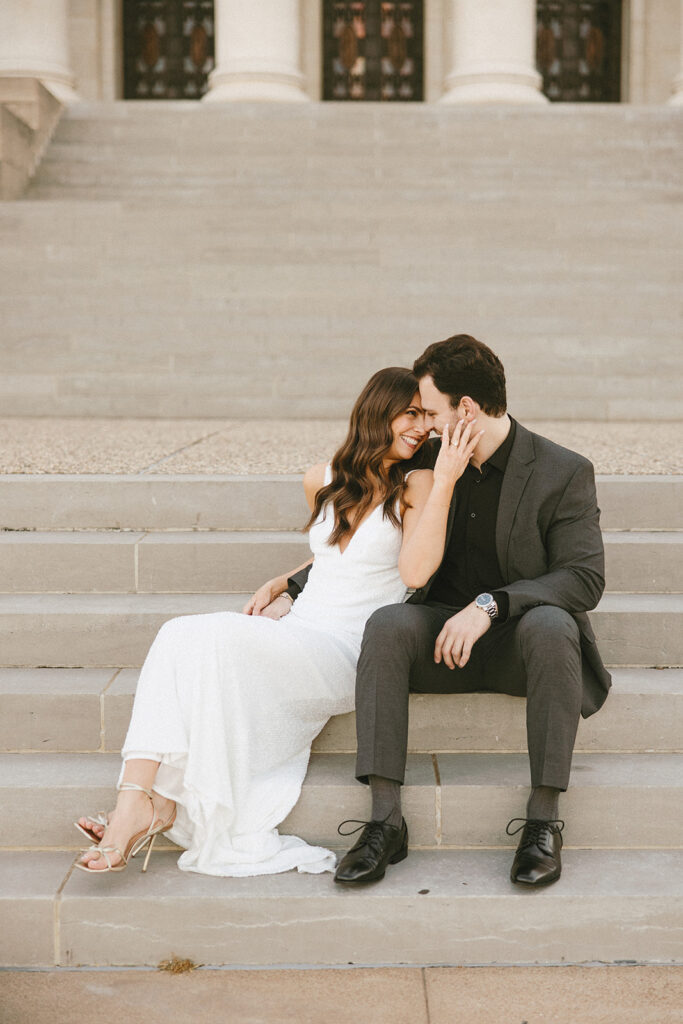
136 843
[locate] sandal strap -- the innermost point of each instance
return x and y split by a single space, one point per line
98 819
134 785
105 851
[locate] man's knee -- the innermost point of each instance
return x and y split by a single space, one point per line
547 626
396 624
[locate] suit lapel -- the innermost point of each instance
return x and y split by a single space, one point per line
517 473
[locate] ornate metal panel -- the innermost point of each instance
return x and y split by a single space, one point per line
168 48
373 50
578 49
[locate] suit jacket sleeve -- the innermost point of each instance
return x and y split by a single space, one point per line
297 582
575 577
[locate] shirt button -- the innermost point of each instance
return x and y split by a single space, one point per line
473 515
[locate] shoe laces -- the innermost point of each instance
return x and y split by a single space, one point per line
535 829
373 836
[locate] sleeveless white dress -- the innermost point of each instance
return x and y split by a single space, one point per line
230 704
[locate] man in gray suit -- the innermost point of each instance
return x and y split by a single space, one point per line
504 612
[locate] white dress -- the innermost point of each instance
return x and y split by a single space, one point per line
230 705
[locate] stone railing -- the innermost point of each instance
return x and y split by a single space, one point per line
28 116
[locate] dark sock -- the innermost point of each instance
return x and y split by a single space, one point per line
543 803
386 800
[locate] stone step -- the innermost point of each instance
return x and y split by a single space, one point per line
449 800
107 562
267 127
223 562
80 392
100 630
609 906
88 710
313 205
265 502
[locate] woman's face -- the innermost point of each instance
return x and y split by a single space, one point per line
408 431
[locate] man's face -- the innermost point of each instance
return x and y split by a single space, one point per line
438 410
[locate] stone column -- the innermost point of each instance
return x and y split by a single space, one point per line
258 49
677 98
34 43
493 53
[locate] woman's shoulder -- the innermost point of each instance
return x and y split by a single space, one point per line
419 479
314 481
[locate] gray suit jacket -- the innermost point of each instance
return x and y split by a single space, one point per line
548 543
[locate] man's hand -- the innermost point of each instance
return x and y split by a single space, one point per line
460 633
265 596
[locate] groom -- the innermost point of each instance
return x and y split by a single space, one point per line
505 612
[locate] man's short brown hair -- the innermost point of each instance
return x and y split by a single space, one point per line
461 366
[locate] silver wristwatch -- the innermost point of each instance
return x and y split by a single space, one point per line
487 604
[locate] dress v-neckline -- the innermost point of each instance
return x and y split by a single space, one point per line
360 526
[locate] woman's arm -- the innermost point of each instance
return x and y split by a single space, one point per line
429 495
263 602
271 591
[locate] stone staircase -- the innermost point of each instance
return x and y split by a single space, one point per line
90 566
262 260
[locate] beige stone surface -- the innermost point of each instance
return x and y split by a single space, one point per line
644 712
441 907
244 447
491 995
629 801
437 995
555 995
28 883
102 630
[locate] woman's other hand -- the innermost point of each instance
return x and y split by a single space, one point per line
277 609
265 596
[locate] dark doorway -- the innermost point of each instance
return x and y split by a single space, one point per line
578 50
168 49
373 50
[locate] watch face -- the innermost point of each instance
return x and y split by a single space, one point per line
484 599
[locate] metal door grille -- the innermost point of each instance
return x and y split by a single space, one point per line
372 50
168 48
578 50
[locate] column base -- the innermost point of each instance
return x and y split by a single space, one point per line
254 87
494 87
59 84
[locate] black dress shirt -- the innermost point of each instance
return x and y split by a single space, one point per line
470 564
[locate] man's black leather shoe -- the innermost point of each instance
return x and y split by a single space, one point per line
378 846
537 860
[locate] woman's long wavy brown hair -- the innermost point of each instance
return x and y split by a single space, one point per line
357 469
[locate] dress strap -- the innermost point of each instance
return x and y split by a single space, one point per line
328 474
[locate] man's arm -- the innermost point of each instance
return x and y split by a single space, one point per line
575 579
297 581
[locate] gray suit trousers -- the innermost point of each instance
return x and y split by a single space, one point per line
536 655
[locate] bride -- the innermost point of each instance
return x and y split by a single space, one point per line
228 704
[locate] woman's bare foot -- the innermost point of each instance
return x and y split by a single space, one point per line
93 826
133 814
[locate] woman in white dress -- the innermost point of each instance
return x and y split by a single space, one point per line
228 704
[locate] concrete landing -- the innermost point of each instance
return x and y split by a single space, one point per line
436 995
246 446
